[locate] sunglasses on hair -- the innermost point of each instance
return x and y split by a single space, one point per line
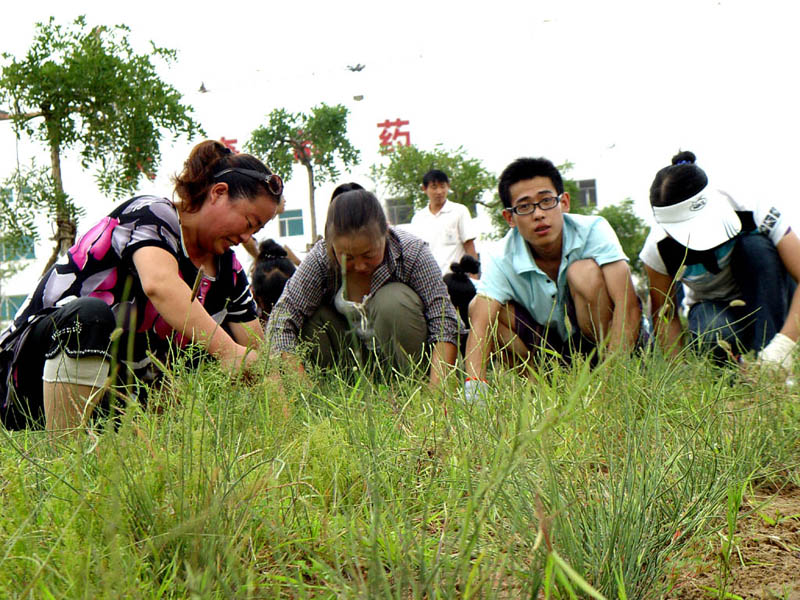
273 182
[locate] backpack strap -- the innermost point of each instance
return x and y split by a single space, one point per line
748 220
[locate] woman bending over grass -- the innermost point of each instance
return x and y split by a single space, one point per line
134 272
366 289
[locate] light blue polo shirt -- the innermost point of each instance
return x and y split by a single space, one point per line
513 274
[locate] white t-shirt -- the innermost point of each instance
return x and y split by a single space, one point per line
445 232
770 219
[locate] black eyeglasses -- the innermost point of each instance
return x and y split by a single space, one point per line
527 208
273 182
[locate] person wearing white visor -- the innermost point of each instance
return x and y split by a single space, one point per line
739 262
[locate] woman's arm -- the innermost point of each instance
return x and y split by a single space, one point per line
666 322
304 293
789 251
171 297
422 274
249 334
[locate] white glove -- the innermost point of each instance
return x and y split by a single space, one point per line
778 353
476 390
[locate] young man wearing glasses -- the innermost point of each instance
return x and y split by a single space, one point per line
561 281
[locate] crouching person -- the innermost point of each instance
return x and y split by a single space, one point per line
133 272
366 290
560 282
738 260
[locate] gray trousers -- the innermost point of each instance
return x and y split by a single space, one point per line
396 315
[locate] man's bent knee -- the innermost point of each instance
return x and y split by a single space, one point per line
585 279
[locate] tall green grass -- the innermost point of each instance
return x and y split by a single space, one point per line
569 482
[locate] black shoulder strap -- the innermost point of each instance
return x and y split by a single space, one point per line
674 255
747 219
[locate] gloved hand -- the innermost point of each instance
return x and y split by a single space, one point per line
475 390
778 353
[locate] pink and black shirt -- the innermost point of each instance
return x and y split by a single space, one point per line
101 265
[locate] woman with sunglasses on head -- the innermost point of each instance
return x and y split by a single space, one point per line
367 292
162 272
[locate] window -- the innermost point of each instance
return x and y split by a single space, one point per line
290 223
398 211
587 192
16 251
9 306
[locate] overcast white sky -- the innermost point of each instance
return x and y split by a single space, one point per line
616 87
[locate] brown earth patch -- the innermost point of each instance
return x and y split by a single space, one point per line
765 561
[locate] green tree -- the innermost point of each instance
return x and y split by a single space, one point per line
402 176
86 89
630 228
17 232
318 140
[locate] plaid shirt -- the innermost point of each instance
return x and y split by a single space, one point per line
407 260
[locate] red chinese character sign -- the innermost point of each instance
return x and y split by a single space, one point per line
229 144
388 138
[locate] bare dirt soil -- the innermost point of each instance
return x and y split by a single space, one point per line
765 561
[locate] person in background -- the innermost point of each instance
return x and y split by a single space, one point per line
366 289
446 226
462 291
739 262
460 287
271 270
161 272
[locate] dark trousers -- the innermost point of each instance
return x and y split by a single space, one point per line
766 289
81 328
396 314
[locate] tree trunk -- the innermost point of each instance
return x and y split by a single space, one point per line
310 171
65 226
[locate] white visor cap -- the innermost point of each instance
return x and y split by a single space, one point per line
701 222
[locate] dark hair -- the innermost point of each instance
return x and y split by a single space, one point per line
459 286
350 213
435 176
354 211
346 187
527 168
210 157
679 181
271 270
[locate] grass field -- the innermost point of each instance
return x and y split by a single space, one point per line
625 481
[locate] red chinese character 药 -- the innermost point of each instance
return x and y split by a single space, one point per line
388 138
229 144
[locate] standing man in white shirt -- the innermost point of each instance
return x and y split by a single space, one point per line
446 226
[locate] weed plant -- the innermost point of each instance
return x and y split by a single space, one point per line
566 482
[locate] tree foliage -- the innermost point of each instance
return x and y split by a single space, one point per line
402 176
318 140
631 231
86 89
17 226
